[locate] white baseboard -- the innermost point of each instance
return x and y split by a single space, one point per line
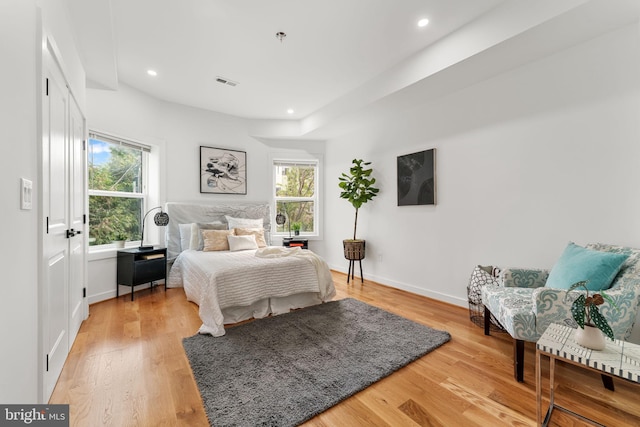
124 290
411 288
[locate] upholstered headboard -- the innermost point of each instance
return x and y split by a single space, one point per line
187 213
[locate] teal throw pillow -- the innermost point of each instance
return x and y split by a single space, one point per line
577 263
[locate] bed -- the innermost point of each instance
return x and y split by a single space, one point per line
240 282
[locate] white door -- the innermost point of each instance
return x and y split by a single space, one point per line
77 162
55 200
63 302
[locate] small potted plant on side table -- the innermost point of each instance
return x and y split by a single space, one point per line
592 324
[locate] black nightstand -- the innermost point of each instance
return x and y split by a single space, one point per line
292 242
137 267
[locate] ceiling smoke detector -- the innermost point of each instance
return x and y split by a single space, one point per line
281 35
225 81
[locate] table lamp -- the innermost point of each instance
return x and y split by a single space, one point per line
161 219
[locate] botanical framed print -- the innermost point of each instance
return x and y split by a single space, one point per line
416 178
223 171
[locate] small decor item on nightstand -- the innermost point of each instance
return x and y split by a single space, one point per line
160 219
592 324
296 226
120 240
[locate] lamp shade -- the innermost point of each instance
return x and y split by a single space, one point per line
161 219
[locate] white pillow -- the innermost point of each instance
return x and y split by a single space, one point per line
241 243
185 236
243 222
257 232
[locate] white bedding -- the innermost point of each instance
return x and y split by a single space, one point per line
224 280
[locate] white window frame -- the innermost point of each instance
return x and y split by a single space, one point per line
143 194
302 160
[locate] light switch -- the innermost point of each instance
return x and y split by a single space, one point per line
26 193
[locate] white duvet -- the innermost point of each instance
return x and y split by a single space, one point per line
219 280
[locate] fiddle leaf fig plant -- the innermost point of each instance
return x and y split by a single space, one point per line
357 187
585 309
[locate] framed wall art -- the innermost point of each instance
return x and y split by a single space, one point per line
416 178
223 171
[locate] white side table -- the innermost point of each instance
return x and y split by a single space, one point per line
619 358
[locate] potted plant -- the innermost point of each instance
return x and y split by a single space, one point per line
357 187
296 226
588 317
120 238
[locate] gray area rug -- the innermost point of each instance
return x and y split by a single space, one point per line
283 370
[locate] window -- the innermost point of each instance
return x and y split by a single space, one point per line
296 195
117 188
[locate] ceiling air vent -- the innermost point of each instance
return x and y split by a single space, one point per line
226 81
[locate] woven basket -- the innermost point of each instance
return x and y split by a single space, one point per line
353 249
481 276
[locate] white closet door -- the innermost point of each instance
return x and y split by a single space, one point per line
63 304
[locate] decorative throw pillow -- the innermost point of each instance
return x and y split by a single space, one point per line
216 240
241 243
197 242
258 233
243 222
185 236
577 263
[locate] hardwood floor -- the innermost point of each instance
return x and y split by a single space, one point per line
128 368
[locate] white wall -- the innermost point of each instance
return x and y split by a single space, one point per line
22 23
526 161
18 293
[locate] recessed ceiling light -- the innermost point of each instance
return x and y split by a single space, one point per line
290 111
423 22
152 73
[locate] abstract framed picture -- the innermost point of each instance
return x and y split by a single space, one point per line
223 171
417 178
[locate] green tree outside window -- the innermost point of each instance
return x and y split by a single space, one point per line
115 192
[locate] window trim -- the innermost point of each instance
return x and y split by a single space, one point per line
143 194
298 159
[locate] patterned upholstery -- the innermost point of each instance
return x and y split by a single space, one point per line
526 308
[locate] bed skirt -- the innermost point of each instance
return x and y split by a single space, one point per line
267 306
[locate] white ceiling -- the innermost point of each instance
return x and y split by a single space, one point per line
339 55
332 46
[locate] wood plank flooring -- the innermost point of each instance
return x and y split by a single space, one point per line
128 368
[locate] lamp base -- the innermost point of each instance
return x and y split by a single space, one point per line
145 248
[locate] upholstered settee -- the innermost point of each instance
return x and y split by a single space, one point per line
525 306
